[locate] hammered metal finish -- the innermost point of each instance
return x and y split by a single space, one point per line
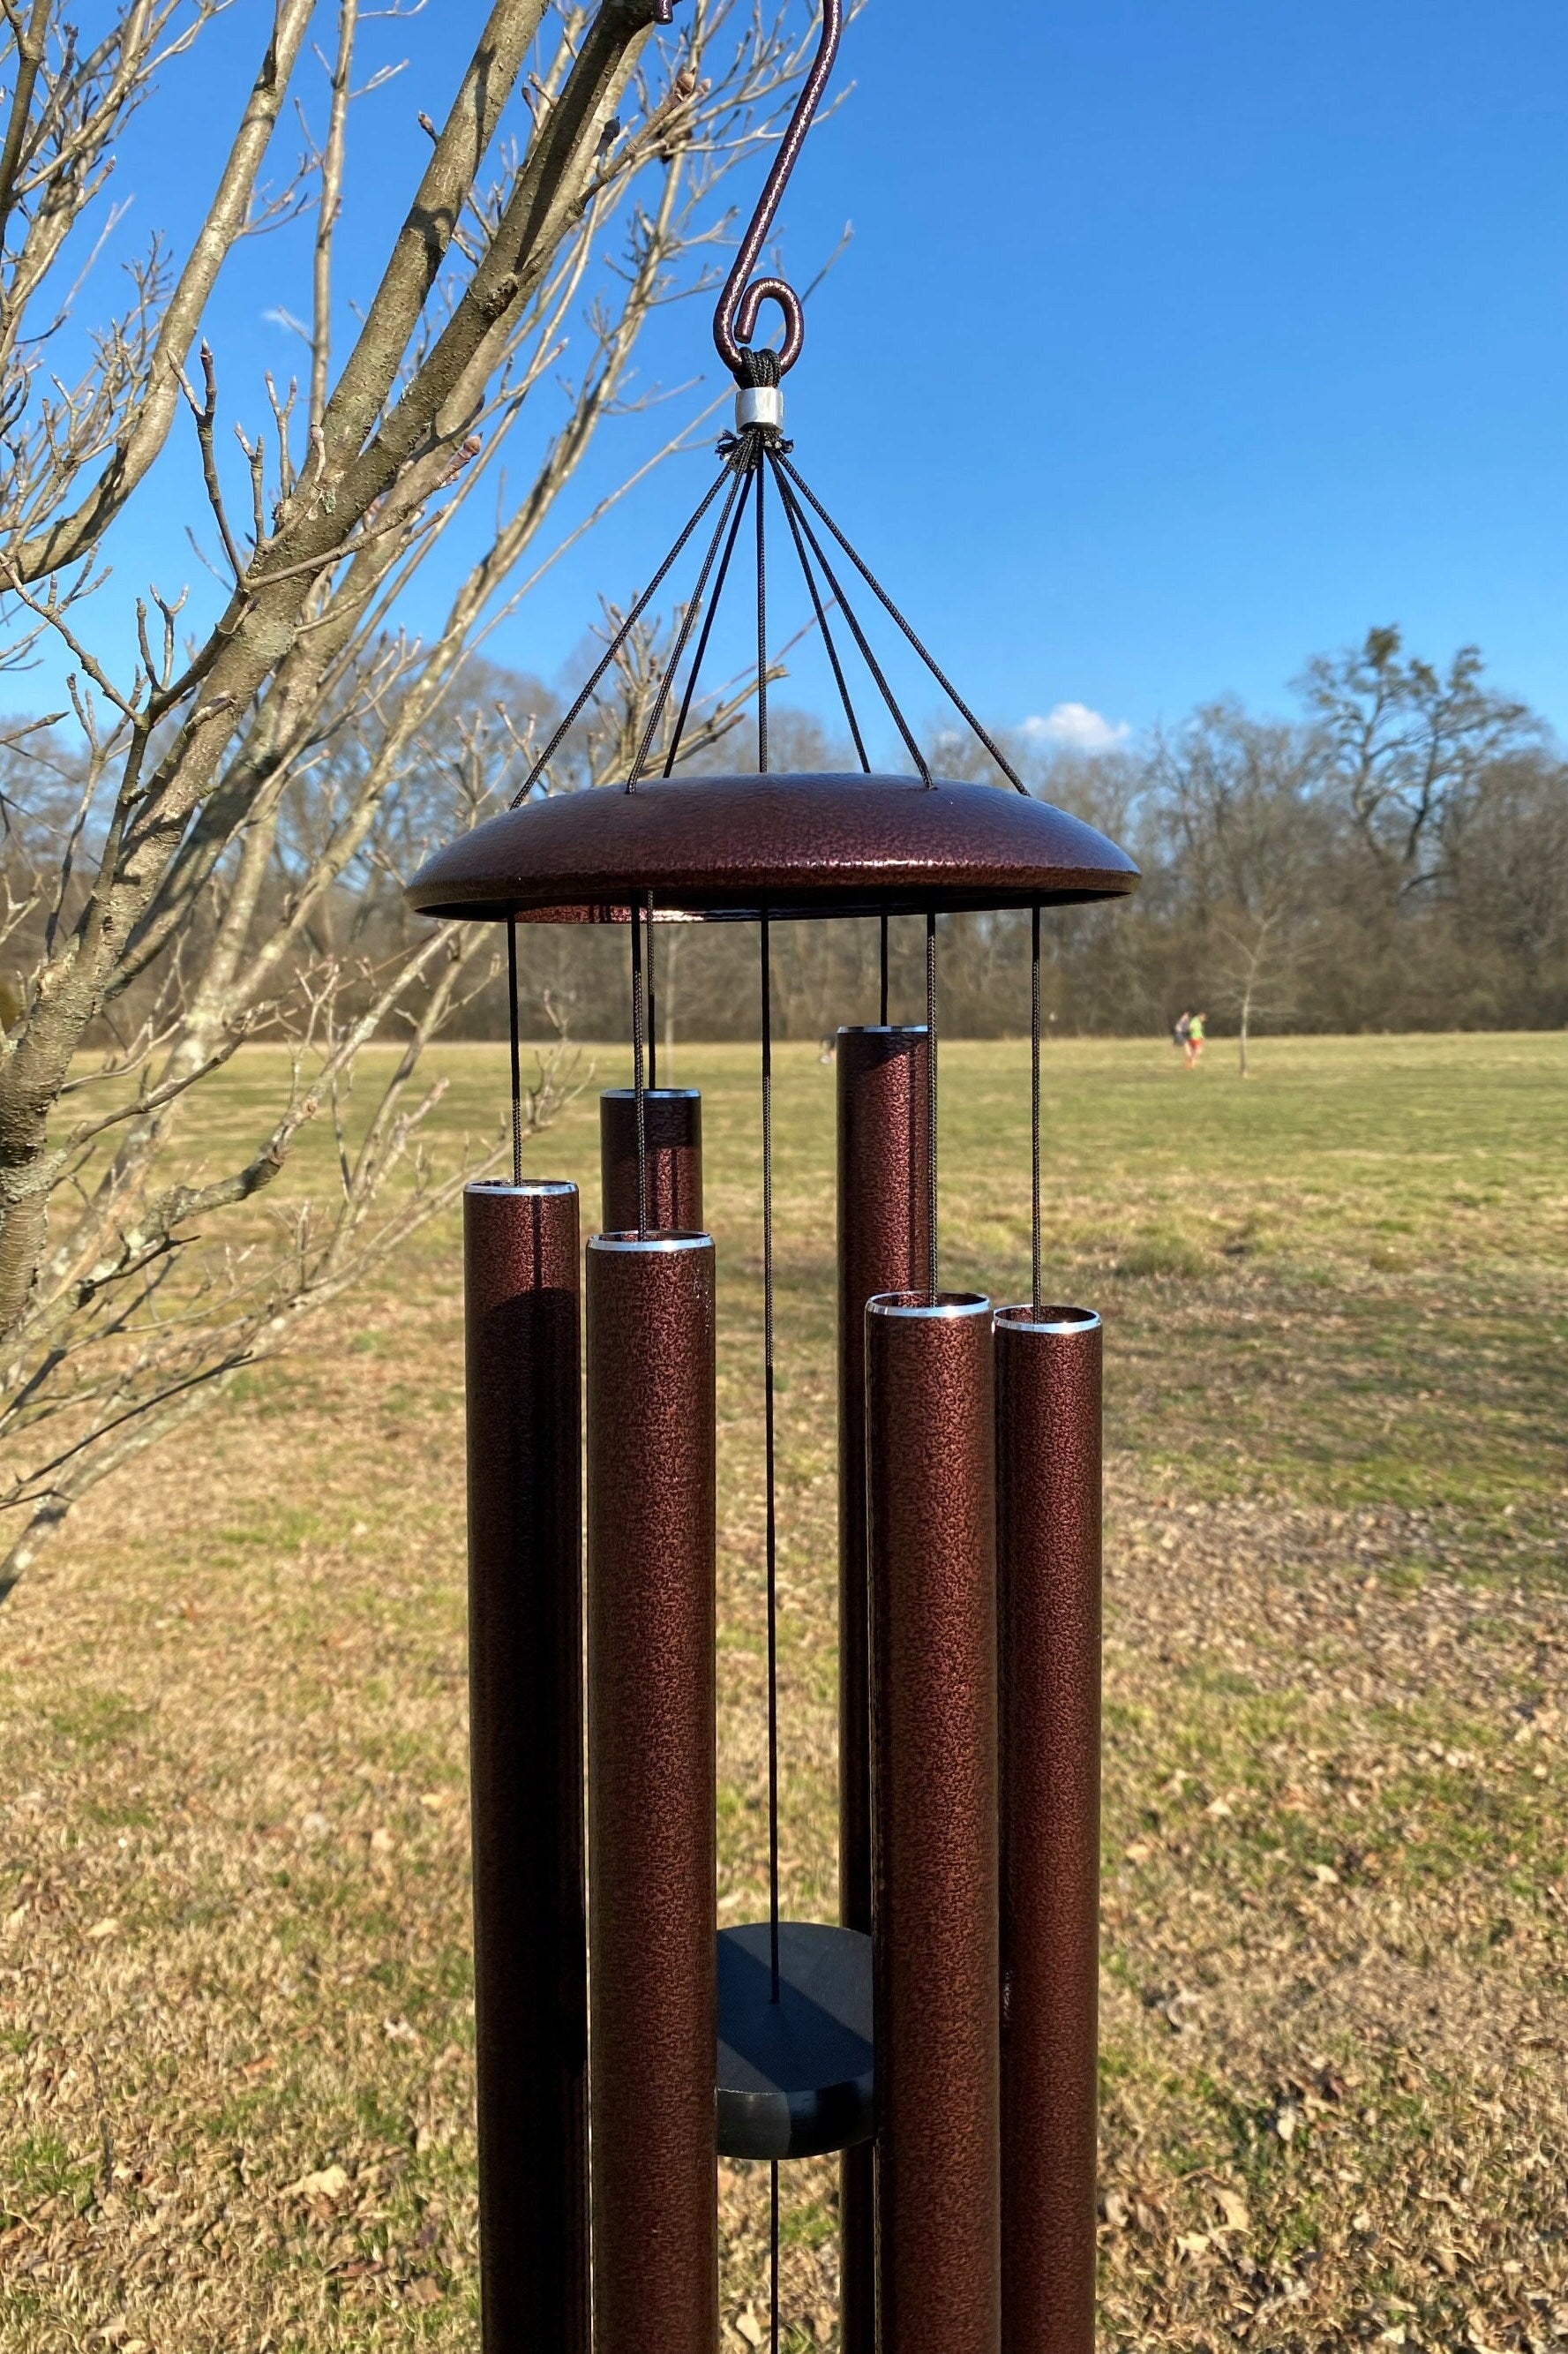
525 1539
884 1128
652 1792
1048 1571
673 1123
930 1447
723 847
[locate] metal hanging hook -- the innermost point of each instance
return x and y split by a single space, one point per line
734 321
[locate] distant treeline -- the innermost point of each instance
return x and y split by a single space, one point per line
1395 857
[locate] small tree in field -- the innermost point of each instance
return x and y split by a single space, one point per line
188 842
1235 793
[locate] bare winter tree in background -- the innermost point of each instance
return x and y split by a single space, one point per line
190 842
1406 746
1237 794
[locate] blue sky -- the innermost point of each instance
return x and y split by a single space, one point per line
1177 340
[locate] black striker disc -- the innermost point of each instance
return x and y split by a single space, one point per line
725 848
795 2076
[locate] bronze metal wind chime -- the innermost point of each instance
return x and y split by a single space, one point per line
942 2034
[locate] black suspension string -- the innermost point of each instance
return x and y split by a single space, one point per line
639 607
652 1005
770 1454
817 607
769 1460
931 1092
768 1392
781 470
1034 1094
761 633
743 460
880 593
712 615
517 1050
883 1016
688 623
637 1072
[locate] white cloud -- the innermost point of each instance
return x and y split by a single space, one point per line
1073 728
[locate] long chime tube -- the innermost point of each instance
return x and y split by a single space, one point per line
652 1860
673 1121
520 1266
930 1448
1048 1572
883 1246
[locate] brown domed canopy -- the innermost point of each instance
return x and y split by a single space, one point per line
726 848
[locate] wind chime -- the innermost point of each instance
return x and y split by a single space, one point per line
942 2034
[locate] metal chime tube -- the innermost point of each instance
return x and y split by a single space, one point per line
520 1261
883 1246
1048 1572
651 1791
931 1536
673 1121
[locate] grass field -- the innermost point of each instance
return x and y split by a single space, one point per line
235 2080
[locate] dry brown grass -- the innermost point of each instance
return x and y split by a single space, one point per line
238 2033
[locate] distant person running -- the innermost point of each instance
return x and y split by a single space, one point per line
1181 1030
1195 1036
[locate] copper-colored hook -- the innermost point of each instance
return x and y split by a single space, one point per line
734 321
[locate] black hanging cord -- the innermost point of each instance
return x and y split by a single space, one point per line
517 1050
773 2251
744 458
881 1017
638 1090
652 1004
931 1094
559 738
1035 1095
762 633
789 500
712 615
754 364
770 1454
880 593
817 608
688 623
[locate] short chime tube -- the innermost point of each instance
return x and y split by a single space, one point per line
520 1264
883 1132
1048 1572
930 1447
673 1121
651 1791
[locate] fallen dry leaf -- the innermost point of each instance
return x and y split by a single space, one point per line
1234 2207
331 2182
